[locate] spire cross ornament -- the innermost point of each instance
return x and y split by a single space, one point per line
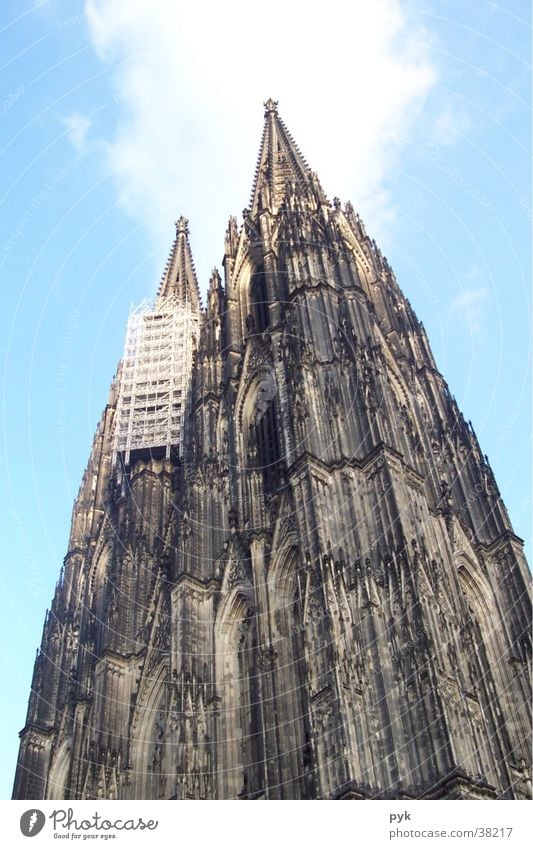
271 106
182 225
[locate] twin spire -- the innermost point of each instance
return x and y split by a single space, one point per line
280 163
179 278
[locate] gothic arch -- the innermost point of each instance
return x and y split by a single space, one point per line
56 787
286 667
363 263
258 299
489 668
243 286
97 581
247 398
485 615
398 387
474 585
259 434
148 736
282 579
235 683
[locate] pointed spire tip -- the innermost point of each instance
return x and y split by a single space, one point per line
179 277
182 225
279 163
270 106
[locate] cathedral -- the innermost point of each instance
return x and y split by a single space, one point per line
290 573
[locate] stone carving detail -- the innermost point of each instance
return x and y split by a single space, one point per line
237 573
266 658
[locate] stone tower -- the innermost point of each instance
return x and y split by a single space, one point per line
290 572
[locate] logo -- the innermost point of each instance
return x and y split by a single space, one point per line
32 822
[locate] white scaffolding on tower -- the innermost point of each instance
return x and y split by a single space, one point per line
155 377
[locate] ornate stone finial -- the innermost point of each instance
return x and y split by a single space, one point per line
182 225
271 106
214 280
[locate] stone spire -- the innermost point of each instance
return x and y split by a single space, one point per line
280 163
179 278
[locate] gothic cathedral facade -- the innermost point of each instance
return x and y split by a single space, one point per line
290 573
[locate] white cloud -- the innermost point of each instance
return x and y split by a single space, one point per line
78 127
190 79
468 307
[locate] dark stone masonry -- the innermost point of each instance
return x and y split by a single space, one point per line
290 573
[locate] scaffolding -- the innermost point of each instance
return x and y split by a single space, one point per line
155 378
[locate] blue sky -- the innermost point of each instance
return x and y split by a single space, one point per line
117 117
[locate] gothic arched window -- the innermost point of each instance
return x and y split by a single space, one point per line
259 299
267 441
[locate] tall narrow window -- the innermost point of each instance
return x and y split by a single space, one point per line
266 433
259 300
